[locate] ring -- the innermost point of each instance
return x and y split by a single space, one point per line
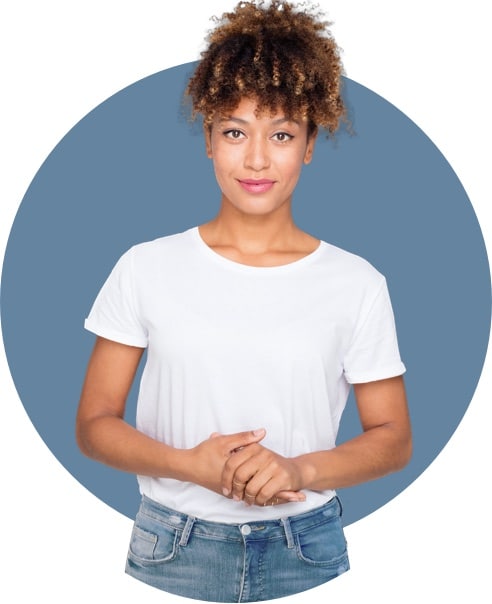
248 495
238 484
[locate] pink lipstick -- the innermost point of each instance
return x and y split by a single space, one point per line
256 186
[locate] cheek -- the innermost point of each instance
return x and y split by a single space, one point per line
223 169
219 166
292 168
224 160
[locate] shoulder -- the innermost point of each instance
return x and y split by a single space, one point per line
166 248
346 265
176 243
146 258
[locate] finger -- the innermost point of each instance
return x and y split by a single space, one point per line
276 500
242 439
237 490
284 497
268 483
239 468
249 499
291 496
260 487
241 481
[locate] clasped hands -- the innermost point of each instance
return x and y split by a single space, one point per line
240 468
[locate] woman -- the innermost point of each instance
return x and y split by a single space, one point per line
255 331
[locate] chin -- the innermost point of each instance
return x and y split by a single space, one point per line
257 206
257 211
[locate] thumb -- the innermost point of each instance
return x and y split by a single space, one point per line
242 439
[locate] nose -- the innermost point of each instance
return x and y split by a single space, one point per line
256 157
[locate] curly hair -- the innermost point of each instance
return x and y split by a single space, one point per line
280 54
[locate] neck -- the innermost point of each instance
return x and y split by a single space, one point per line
257 240
250 233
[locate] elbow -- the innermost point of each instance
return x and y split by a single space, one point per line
81 438
95 434
403 454
85 438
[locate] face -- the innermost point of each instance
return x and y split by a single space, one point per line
258 159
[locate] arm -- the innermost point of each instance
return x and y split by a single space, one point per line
383 447
102 433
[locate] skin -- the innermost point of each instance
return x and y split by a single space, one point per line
253 227
258 229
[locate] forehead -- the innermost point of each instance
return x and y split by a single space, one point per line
248 110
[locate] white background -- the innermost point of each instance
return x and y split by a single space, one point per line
60 59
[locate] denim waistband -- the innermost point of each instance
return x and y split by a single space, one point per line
284 527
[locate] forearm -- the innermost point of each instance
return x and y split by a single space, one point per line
112 441
258 474
374 453
102 434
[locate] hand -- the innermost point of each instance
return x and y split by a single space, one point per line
209 457
259 476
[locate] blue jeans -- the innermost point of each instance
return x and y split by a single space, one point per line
249 562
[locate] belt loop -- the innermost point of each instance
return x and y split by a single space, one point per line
190 521
339 505
288 532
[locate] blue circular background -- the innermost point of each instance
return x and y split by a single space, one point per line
134 169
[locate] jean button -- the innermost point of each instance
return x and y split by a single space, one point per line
245 529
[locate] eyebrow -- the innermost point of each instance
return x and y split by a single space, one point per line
276 122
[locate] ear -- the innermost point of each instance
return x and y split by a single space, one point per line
207 132
308 155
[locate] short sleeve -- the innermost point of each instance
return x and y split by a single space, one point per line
114 313
373 353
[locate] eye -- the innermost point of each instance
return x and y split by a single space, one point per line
282 137
233 133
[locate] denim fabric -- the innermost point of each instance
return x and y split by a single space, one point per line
248 562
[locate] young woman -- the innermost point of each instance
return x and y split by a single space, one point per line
255 331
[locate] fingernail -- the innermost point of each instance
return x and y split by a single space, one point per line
225 491
259 431
236 498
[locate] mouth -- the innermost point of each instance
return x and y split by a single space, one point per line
256 186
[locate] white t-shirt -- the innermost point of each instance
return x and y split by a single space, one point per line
233 347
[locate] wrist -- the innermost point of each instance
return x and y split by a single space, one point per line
306 471
180 465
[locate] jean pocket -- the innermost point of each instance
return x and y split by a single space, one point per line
323 545
154 545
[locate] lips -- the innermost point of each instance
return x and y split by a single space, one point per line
256 186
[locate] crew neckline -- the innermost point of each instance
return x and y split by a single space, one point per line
227 262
